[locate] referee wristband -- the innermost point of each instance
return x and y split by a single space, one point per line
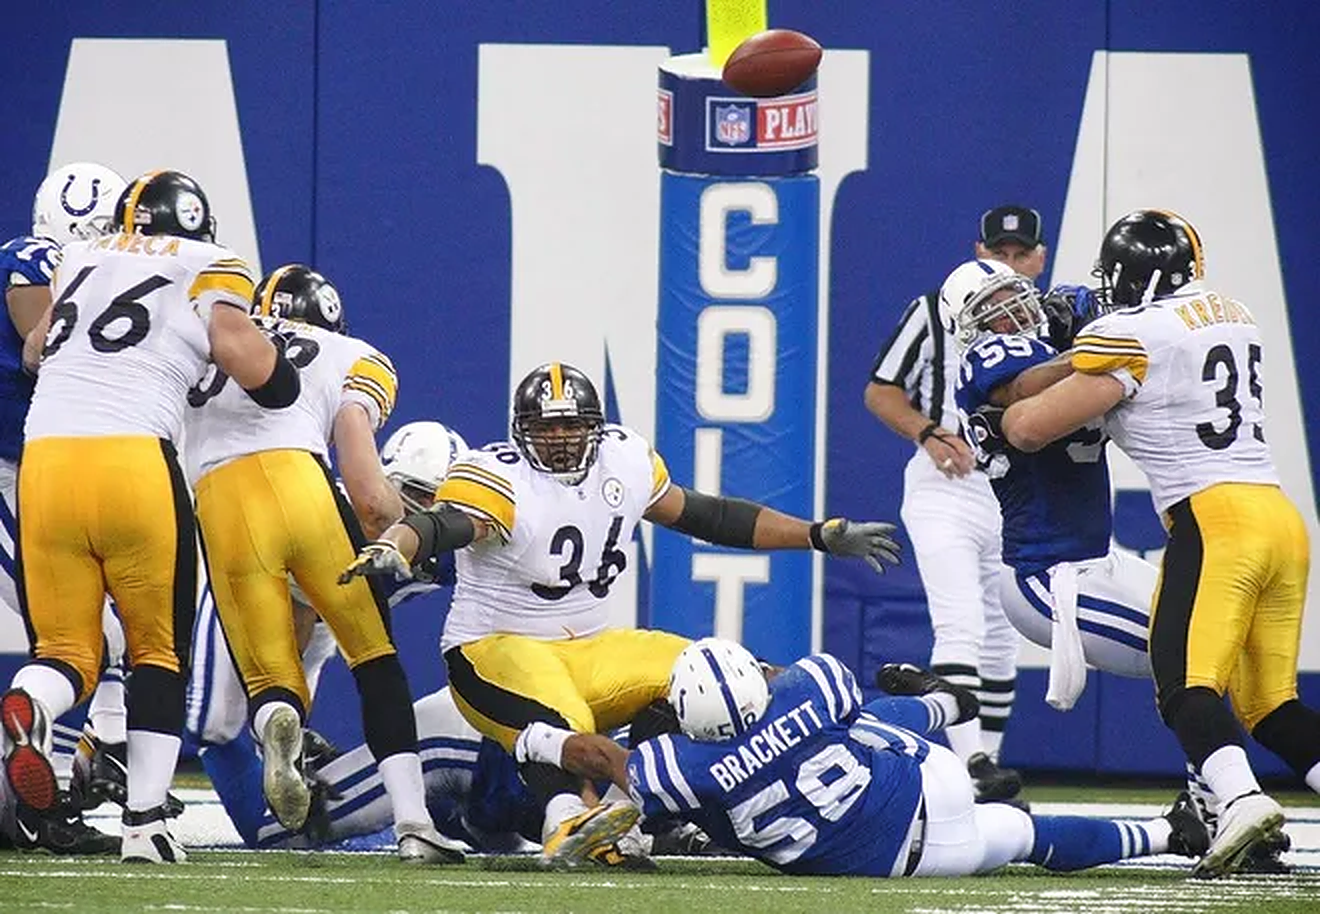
931 429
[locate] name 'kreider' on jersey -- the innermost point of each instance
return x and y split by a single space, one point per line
1056 502
815 786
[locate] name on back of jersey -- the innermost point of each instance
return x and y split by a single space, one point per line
762 748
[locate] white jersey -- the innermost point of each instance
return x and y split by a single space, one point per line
224 423
559 547
128 334
1190 367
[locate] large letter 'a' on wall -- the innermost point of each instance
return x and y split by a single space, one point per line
1202 159
187 121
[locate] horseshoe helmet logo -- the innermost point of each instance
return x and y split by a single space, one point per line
91 205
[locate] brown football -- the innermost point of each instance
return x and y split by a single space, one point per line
772 63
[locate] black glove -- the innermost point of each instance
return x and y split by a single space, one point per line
1067 310
985 429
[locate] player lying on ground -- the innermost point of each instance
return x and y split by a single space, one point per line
796 773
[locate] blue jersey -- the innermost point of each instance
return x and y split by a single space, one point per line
816 786
24 261
1055 502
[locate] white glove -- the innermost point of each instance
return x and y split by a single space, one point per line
379 557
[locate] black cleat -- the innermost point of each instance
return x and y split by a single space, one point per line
993 784
612 856
317 750
1190 837
909 679
60 830
104 778
1267 856
685 840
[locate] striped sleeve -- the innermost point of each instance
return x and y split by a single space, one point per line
660 481
225 280
373 383
656 780
1124 357
899 360
837 685
481 492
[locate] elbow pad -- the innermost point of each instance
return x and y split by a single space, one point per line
442 529
718 520
281 389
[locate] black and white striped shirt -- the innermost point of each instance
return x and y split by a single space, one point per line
920 357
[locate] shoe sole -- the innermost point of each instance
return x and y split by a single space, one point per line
1229 858
428 853
30 774
604 828
282 782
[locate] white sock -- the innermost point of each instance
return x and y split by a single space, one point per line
965 739
46 686
151 760
260 719
1313 777
1229 774
1158 832
402 774
991 741
942 707
108 716
561 806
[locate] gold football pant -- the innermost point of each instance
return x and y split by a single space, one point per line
106 514
266 516
1228 608
502 683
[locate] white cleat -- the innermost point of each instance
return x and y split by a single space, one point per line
422 843
287 793
1243 823
147 839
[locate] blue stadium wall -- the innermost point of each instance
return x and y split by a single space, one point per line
360 147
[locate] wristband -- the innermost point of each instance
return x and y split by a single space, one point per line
928 431
817 541
541 742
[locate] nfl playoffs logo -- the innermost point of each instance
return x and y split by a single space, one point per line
732 125
664 116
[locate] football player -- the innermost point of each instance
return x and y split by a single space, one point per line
136 318
539 521
796 773
268 508
1174 369
73 203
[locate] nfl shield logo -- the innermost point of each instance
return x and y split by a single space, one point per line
733 124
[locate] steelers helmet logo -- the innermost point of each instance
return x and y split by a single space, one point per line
331 307
189 210
612 492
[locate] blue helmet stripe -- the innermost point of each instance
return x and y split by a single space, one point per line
725 692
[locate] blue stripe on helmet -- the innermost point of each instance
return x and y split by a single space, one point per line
725 692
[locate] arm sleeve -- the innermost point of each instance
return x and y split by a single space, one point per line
474 486
227 280
372 383
656 779
1108 347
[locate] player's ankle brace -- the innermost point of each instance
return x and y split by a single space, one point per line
1292 732
156 700
387 713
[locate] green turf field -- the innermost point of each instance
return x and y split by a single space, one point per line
302 883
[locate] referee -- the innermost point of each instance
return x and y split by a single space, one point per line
950 511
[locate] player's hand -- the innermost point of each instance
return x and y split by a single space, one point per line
986 428
376 559
870 540
1067 310
951 454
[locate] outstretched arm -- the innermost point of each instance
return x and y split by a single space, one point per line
1032 423
589 755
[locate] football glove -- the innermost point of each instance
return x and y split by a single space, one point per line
985 429
871 540
376 559
1067 310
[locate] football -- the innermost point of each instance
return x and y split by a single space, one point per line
772 63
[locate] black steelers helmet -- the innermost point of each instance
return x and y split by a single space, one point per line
1147 254
558 421
165 203
298 293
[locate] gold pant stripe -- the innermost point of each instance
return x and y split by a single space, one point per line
504 682
1228 609
264 517
106 514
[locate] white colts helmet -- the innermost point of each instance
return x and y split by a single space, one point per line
416 459
718 689
969 303
76 202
